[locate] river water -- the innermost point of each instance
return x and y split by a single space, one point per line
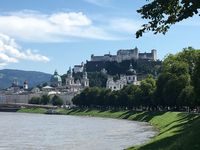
21 131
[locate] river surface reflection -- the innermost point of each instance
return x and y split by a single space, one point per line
21 131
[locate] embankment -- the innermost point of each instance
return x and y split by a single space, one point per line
177 130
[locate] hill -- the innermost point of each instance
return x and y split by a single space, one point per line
142 67
33 77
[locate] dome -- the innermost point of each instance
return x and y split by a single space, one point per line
131 71
56 77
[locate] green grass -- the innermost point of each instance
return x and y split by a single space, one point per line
177 131
33 110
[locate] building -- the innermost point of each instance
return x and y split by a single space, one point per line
56 80
66 90
78 68
129 78
25 86
128 54
16 88
116 85
78 85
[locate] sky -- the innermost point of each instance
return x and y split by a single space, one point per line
44 35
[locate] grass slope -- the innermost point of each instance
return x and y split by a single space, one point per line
178 131
33 110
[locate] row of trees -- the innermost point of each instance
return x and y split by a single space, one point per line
129 97
45 99
176 87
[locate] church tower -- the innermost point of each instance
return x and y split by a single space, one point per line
25 86
69 79
85 80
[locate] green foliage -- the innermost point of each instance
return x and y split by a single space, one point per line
45 99
130 96
174 84
33 110
97 79
57 101
163 14
196 79
142 67
35 100
177 87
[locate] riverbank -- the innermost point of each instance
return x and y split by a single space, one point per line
177 130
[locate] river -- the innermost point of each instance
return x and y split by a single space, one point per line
21 131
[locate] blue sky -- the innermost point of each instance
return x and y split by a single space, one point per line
44 35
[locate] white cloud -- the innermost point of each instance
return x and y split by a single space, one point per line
32 26
125 25
11 52
62 26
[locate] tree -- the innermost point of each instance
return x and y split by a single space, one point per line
187 97
34 100
45 99
57 101
97 79
196 80
176 84
164 13
147 89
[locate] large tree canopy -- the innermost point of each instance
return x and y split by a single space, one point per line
164 13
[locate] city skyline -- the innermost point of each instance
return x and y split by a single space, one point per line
48 35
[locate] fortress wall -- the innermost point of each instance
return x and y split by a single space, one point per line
126 55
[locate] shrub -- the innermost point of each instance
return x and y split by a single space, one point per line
35 100
57 101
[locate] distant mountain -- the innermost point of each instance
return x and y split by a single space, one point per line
33 77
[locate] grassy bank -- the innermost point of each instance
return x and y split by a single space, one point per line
33 110
178 131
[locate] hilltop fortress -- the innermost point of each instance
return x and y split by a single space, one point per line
126 54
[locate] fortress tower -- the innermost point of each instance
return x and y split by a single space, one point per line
154 54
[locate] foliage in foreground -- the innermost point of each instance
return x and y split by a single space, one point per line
162 14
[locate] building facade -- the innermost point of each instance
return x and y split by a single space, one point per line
65 90
128 54
129 78
78 68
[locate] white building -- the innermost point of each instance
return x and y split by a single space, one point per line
129 78
78 68
75 86
116 85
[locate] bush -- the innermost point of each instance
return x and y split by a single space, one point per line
57 101
45 100
35 100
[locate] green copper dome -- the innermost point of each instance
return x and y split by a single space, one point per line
56 77
131 71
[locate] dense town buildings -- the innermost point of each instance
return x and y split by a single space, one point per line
64 89
67 87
